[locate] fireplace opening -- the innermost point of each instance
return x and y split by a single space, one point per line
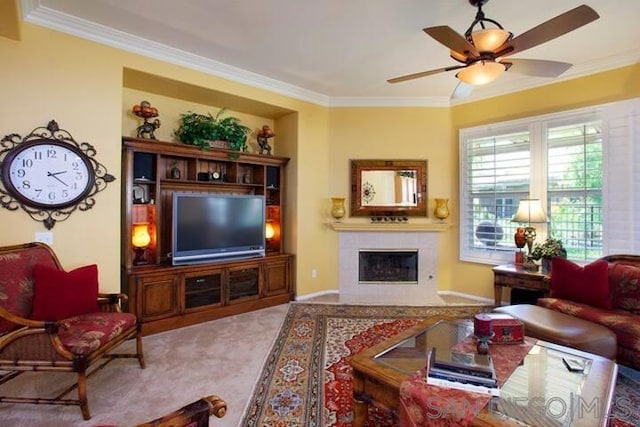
388 266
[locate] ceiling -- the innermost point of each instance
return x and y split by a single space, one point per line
337 52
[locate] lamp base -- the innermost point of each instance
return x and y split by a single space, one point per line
140 257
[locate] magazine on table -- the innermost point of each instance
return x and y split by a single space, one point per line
466 371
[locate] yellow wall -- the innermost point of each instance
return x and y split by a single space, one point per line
89 89
395 133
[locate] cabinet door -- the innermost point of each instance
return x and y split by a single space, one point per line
276 277
243 282
202 290
158 297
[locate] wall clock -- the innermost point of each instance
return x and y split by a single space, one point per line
49 175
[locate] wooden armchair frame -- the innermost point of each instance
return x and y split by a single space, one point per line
36 346
195 414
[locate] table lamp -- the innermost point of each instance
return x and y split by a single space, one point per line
530 212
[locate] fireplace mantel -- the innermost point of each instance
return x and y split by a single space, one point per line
389 226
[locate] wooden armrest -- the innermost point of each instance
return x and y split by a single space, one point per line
111 297
21 320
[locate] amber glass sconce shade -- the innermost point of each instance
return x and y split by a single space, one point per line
140 239
269 231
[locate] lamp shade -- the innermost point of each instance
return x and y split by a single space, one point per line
140 237
489 39
530 211
480 73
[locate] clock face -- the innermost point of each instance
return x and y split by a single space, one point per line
48 174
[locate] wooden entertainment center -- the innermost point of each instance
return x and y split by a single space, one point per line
165 296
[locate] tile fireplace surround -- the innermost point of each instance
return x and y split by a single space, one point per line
420 237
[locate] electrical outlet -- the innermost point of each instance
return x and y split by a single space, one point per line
44 237
314 274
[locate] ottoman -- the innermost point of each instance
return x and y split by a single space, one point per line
559 328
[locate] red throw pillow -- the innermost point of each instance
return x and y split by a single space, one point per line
586 285
58 294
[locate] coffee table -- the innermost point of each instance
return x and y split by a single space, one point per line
540 389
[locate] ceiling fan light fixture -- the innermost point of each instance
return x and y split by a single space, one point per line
480 73
489 39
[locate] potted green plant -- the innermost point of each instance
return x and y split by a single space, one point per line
546 250
200 129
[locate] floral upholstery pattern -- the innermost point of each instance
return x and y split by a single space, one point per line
16 282
88 332
625 294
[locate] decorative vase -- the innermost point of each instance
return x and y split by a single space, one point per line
546 265
337 208
442 209
175 173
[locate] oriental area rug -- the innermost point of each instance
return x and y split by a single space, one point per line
307 381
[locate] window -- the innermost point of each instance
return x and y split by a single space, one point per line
557 159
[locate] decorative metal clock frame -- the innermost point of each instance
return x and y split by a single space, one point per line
49 213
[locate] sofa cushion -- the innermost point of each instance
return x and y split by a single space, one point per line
59 294
16 281
625 286
586 285
88 332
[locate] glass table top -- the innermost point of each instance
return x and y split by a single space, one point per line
541 391
411 354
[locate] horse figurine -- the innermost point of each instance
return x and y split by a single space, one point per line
146 129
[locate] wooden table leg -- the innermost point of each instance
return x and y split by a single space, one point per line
359 405
497 294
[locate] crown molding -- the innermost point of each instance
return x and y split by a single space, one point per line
390 101
34 12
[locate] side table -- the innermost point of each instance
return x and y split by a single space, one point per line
515 276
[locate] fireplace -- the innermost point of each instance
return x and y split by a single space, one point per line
388 266
414 286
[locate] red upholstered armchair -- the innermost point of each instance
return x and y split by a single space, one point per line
54 321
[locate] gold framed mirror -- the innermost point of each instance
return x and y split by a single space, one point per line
388 188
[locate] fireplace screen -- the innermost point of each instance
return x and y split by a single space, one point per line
388 266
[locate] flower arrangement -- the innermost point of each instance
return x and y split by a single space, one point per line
548 249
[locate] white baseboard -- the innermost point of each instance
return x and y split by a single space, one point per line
459 294
463 295
316 294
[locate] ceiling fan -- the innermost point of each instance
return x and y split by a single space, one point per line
483 51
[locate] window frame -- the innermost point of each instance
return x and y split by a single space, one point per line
537 128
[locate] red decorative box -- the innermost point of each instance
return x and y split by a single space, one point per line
506 329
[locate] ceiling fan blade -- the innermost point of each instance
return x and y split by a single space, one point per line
549 30
537 67
451 39
422 74
462 90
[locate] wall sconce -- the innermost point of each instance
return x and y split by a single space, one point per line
269 231
140 239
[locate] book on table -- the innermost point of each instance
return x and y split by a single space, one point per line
467 371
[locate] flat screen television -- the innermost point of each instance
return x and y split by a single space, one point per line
209 227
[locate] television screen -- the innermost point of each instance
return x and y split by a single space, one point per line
207 227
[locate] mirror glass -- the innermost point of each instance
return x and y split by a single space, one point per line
388 187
